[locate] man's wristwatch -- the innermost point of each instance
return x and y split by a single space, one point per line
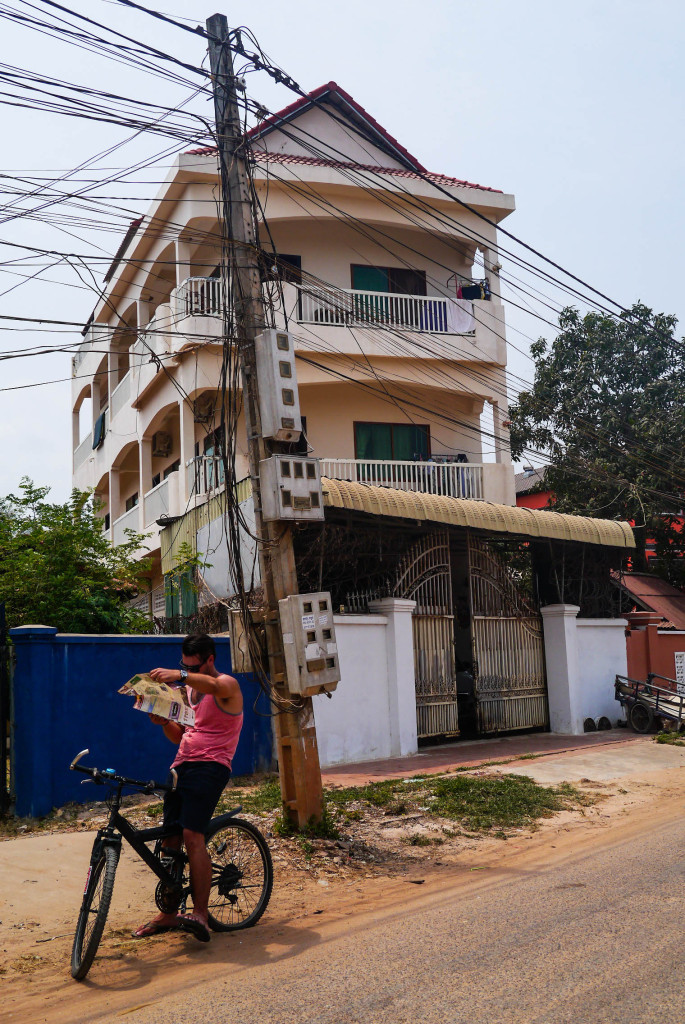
183 675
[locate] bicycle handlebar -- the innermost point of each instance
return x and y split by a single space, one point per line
101 777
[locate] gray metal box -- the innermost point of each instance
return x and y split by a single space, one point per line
309 644
291 488
279 400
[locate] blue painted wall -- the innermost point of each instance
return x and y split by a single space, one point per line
64 698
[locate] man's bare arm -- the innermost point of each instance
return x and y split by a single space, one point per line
172 730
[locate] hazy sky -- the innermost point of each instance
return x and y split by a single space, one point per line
576 108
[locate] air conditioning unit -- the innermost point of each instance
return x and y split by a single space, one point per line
161 444
203 409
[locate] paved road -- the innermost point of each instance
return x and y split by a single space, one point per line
594 937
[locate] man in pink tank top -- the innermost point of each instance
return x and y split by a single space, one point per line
203 763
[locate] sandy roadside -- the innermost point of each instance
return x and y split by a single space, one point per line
43 876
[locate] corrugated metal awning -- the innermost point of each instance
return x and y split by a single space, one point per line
479 515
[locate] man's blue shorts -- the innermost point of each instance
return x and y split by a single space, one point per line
192 803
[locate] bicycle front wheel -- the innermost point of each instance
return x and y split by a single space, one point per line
242 875
93 914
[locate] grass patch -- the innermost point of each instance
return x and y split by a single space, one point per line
674 739
327 828
254 799
478 803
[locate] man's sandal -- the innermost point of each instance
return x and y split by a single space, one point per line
194 927
152 928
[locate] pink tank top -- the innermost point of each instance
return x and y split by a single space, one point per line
215 735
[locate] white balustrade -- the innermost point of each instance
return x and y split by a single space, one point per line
83 451
198 296
129 521
157 502
120 395
353 308
452 479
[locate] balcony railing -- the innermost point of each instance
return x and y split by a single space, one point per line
83 451
352 308
198 296
452 479
121 395
129 520
157 502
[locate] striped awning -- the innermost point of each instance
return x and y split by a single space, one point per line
479 515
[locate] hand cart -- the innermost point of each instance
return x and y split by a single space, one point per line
648 702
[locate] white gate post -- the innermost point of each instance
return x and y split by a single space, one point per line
401 679
563 668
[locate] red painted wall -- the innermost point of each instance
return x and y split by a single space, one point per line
650 650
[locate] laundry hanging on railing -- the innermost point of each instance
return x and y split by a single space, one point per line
460 318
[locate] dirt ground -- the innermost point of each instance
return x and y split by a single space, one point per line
317 885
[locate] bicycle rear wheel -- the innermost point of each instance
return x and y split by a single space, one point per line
242 875
93 913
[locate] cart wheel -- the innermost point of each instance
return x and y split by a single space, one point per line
641 718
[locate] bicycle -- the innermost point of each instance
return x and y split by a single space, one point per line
242 871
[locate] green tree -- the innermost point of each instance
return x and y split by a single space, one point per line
57 568
607 409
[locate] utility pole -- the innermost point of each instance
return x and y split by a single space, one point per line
298 755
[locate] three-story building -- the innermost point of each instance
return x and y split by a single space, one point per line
385 275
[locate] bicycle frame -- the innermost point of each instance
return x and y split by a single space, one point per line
118 827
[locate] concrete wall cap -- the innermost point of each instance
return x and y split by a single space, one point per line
33 630
393 604
558 610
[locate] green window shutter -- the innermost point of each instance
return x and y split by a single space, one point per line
369 279
409 442
373 440
171 595
188 593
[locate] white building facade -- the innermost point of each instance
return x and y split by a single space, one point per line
388 285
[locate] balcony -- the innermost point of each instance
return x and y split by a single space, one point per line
353 308
129 521
198 296
83 451
451 479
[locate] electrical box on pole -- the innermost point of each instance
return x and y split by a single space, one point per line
291 489
311 651
279 400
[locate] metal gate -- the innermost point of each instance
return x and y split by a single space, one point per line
508 648
424 575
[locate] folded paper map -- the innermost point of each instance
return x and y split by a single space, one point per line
159 699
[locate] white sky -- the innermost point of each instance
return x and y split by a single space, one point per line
576 108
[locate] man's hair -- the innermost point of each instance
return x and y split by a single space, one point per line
199 645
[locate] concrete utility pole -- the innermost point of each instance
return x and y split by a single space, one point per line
298 755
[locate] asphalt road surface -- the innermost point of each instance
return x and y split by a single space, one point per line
586 930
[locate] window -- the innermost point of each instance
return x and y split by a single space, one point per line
396 280
288 267
156 479
210 473
132 501
401 442
173 468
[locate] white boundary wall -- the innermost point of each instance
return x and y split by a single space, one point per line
582 656
372 713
